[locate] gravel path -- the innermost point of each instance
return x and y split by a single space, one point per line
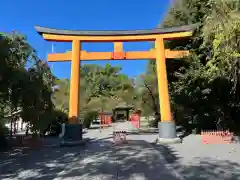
139 159
133 161
197 161
100 159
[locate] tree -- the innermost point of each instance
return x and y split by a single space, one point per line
26 88
60 96
101 88
148 90
194 85
194 81
36 106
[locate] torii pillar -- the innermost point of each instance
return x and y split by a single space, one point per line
72 132
167 129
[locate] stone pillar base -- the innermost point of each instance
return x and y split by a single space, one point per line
167 133
71 135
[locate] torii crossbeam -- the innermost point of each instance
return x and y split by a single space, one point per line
167 128
116 55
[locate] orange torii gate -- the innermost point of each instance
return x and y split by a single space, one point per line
167 131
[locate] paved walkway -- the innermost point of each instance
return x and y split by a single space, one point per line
98 160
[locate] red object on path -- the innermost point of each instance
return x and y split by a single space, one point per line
119 136
135 119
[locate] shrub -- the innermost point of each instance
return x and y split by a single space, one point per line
4 131
154 123
89 117
54 119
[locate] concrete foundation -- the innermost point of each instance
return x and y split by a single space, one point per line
167 133
71 135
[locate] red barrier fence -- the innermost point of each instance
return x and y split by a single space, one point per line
216 137
105 119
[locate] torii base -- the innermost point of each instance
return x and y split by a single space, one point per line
71 135
167 133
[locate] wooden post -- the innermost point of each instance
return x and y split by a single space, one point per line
165 110
74 83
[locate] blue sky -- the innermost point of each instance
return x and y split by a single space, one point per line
22 15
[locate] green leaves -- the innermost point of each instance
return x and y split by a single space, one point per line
100 88
22 88
207 82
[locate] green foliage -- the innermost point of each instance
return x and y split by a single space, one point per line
3 133
147 91
101 88
52 121
89 117
204 89
22 88
60 96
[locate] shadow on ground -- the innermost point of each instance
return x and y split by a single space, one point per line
104 160
133 160
203 168
39 164
100 159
